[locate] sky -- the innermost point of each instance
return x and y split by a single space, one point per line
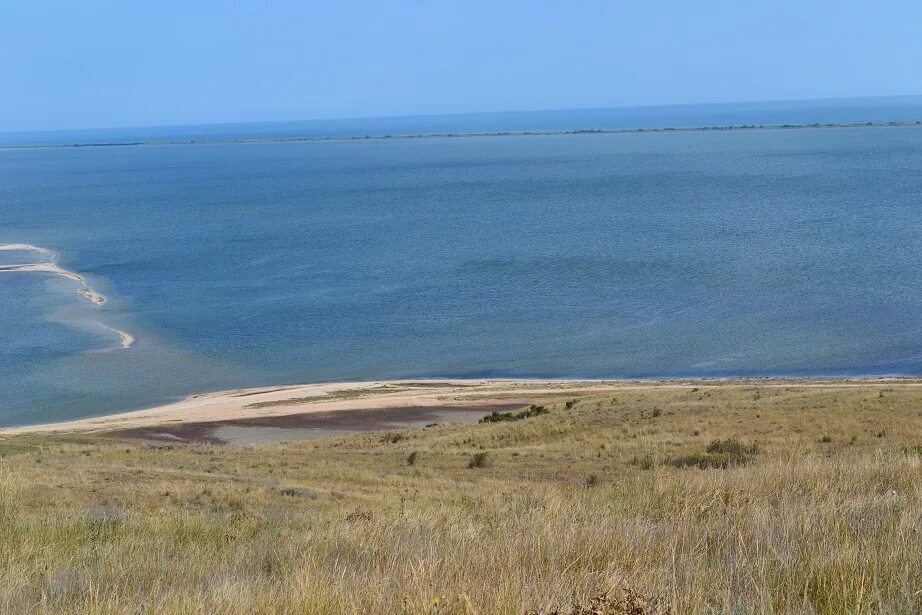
68 64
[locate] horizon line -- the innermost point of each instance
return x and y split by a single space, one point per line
461 135
457 114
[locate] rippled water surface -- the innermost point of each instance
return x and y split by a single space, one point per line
626 255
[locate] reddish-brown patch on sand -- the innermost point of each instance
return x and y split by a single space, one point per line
342 420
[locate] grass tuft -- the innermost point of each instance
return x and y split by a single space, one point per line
719 454
479 460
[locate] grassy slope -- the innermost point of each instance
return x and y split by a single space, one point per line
571 504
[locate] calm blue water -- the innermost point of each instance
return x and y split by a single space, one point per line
776 113
628 255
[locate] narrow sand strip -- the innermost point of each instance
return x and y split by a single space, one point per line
50 266
24 247
126 339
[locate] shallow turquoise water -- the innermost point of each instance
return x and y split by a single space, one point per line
628 255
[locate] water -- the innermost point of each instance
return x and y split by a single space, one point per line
625 255
776 113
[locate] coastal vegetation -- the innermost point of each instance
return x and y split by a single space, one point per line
712 497
500 417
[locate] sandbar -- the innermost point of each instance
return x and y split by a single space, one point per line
50 265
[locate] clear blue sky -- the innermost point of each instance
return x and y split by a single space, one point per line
102 63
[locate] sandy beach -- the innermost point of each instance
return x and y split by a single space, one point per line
267 414
284 402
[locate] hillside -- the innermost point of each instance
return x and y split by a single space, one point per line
709 497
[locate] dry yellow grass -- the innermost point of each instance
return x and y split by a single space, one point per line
571 504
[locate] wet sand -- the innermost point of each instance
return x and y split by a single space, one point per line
307 426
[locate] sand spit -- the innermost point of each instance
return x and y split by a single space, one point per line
49 265
125 339
24 247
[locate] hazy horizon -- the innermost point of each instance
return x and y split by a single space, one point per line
494 112
106 64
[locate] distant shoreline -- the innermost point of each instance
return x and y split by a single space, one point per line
460 135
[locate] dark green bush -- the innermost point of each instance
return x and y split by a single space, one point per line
500 417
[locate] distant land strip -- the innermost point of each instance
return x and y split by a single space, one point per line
455 135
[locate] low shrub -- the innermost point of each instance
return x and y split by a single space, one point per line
703 461
644 462
623 602
733 448
360 515
719 454
291 492
479 460
500 417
